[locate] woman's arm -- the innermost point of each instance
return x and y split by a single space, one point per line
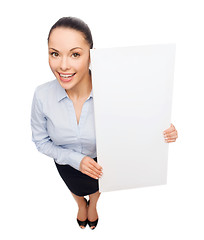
43 142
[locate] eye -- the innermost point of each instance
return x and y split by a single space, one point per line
54 54
76 55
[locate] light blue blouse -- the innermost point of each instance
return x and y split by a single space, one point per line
55 131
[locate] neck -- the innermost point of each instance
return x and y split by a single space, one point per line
81 90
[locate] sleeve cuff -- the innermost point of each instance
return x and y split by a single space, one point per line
75 159
71 158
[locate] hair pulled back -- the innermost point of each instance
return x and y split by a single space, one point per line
76 24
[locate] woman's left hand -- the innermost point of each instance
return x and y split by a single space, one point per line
170 134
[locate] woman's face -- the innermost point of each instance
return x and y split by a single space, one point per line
68 55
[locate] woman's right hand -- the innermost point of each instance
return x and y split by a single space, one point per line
90 167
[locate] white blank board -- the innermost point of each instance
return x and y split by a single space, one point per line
132 90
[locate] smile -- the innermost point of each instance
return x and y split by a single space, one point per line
66 75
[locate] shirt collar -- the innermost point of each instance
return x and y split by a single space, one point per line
91 94
61 93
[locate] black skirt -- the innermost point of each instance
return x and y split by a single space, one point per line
78 183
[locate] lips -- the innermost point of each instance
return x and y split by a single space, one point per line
66 77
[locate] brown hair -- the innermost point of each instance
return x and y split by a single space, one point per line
76 24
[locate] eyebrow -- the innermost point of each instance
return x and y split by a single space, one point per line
70 49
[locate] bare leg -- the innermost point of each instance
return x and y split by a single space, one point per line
82 212
92 211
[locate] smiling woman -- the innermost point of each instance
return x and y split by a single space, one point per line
62 118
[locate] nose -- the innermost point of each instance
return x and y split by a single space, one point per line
64 64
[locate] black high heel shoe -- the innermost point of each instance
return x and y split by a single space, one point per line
94 223
83 223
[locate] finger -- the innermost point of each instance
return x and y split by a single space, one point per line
98 172
173 138
86 170
174 134
90 174
168 141
93 171
96 165
171 134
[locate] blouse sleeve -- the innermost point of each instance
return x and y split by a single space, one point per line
43 142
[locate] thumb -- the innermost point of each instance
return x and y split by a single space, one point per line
168 130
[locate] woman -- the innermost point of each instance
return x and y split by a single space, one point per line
62 118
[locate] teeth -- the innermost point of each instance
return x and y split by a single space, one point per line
66 76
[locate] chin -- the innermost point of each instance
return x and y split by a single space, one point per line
65 85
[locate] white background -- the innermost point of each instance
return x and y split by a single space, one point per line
35 203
